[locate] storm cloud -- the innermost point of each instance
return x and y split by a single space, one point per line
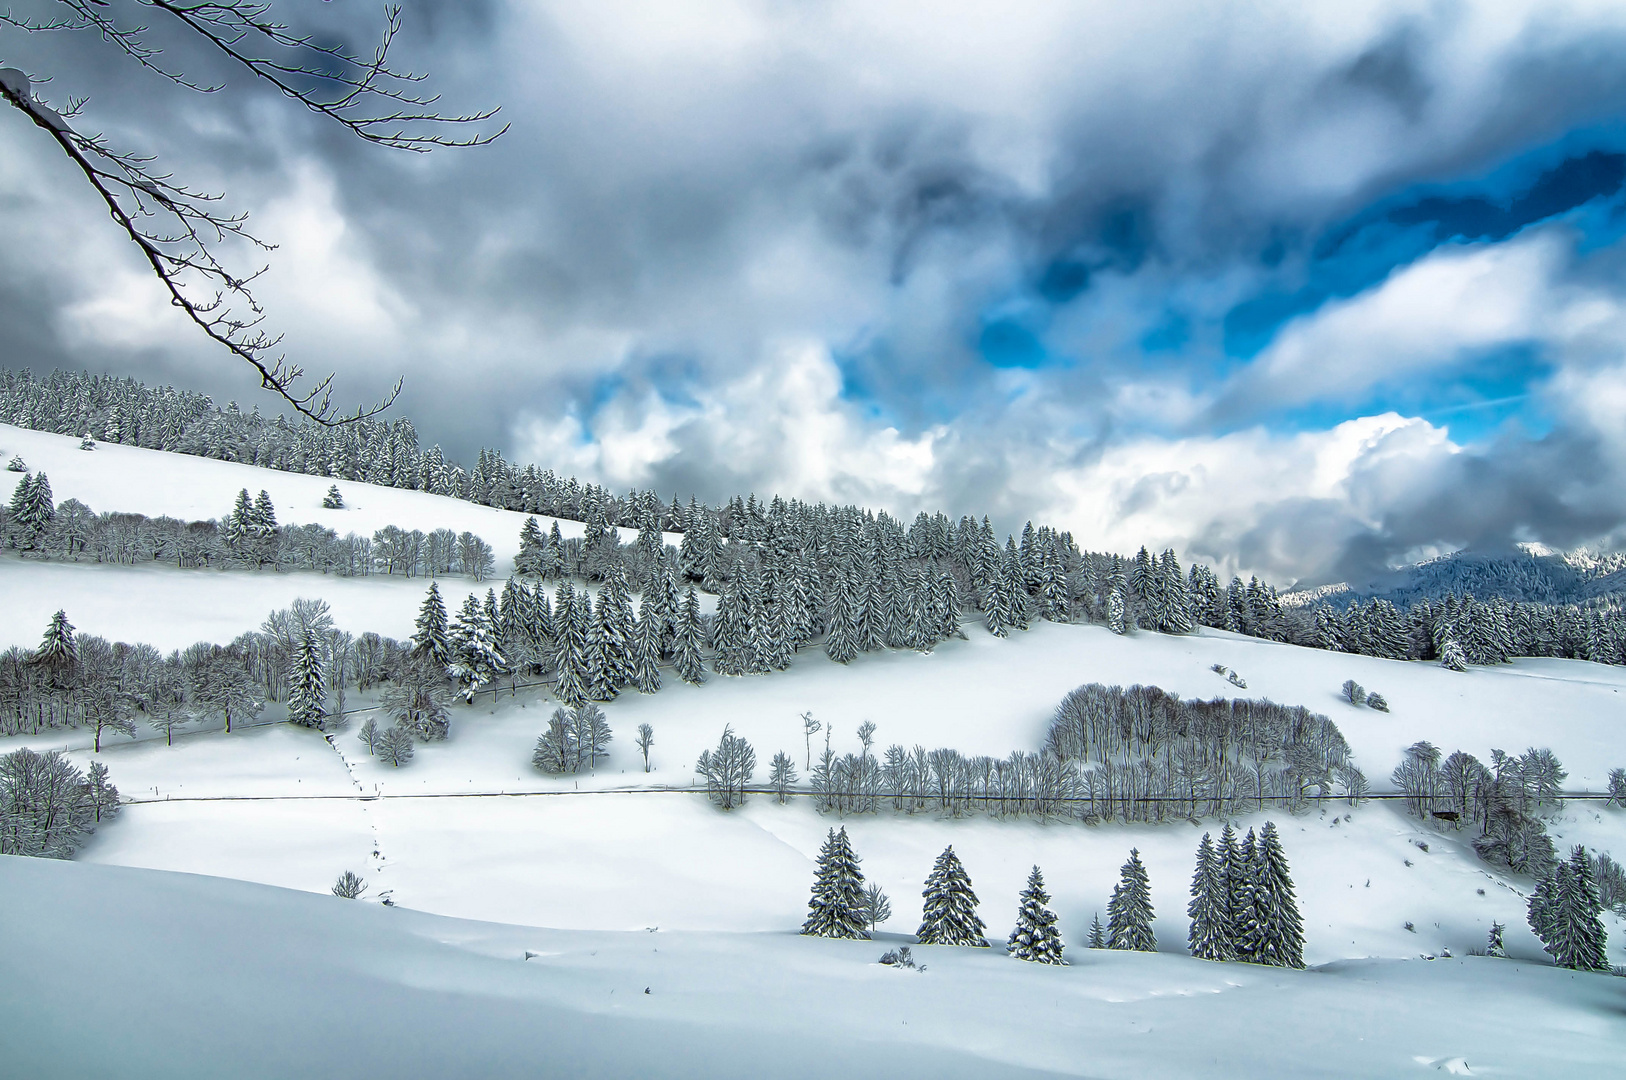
1301 292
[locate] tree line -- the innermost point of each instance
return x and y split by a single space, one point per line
248 537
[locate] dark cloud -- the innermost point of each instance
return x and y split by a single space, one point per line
1066 256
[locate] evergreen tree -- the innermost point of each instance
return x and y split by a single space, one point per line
1238 858
950 912
1275 935
686 641
646 672
430 642
1129 912
333 500
570 646
477 661
836 908
1036 937
1210 912
531 545
307 684
263 522
1565 912
1098 934
1493 943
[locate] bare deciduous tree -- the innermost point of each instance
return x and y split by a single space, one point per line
181 231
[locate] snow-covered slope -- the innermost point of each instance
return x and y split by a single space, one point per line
469 829
176 976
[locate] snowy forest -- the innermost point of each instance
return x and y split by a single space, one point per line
788 573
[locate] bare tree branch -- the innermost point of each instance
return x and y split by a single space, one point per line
175 227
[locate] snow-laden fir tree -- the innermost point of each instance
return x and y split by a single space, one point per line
1098 933
949 915
333 500
477 662
686 639
1129 911
836 908
1209 909
1274 934
1036 937
646 670
1565 913
429 641
1238 861
1493 942
1452 656
570 646
307 683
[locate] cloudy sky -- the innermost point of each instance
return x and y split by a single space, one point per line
1304 290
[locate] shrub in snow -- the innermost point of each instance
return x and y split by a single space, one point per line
901 957
1036 938
1493 945
1410 927
1237 681
16 464
1377 701
47 806
333 500
1219 669
1353 692
349 886
395 746
87 443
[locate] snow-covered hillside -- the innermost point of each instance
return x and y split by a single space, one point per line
181 977
468 829
173 608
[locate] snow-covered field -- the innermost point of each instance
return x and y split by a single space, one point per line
469 831
136 974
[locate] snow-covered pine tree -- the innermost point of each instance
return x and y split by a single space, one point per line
949 916
1493 941
307 684
1098 934
1240 858
1574 928
1452 656
333 500
841 640
619 627
646 671
1036 937
1129 911
1210 912
529 560
686 659
430 642
477 662
263 523
1277 931
570 646
836 908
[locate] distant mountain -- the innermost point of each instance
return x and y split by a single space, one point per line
1530 573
